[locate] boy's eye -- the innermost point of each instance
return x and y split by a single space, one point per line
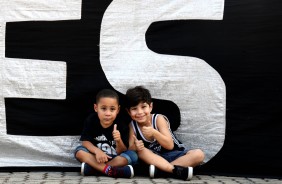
133 108
112 109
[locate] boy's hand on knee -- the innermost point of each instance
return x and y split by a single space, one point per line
138 144
101 157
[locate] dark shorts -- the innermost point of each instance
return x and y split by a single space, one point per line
129 155
173 155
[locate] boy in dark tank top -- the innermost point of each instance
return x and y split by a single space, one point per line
150 135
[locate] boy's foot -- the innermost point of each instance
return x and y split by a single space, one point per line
87 170
154 172
121 172
185 173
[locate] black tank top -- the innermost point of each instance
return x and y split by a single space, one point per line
154 145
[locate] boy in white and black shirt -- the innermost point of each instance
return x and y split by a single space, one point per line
103 148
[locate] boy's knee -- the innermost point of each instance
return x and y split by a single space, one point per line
131 157
79 152
200 155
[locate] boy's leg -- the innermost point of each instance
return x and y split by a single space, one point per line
182 162
153 159
191 159
118 161
128 157
183 165
90 159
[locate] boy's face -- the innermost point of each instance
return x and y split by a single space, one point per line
107 109
141 112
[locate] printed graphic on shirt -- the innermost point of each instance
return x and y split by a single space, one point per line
105 145
155 146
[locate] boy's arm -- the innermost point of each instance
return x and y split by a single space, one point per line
131 139
163 136
134 143
100 156
93 149
120 146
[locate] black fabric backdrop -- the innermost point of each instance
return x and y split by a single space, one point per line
244 48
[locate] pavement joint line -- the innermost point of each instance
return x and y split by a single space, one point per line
75 178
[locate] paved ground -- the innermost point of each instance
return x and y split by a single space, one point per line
76 178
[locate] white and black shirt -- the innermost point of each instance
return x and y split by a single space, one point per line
99 136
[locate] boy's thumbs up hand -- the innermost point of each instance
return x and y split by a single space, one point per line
138 144
148 131
135 139
116 133
115 127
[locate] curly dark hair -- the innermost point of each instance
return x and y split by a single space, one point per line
136 95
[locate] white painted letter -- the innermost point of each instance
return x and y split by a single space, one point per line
190 82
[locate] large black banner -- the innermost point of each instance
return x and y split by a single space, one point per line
243 48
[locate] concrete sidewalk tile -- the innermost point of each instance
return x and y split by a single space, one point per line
37 175
51 182
4 174
159 180
256 180
273 180
76 178
89 179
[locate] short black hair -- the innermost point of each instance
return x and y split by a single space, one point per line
104 93
136 95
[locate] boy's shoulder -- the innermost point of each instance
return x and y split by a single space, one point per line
161 116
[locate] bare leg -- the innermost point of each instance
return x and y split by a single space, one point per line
151 158
118 161
90 159
191 159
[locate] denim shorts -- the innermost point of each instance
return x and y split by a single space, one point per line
129 155
173 155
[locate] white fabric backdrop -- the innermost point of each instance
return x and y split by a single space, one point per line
190 82
23 78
